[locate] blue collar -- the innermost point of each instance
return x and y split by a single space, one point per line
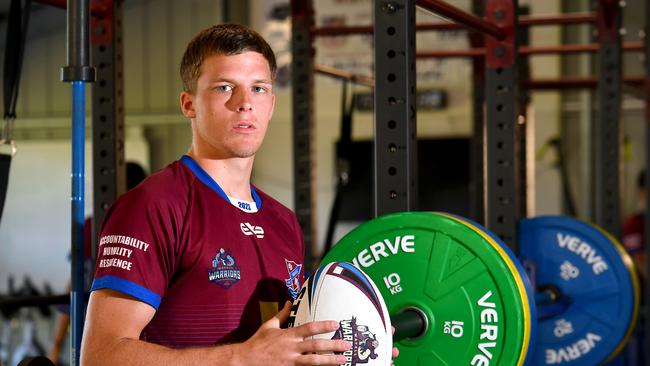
208 181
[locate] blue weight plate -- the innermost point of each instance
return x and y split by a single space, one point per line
599 292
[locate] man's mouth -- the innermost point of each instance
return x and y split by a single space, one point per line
244 125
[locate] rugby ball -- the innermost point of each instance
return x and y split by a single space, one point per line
342 292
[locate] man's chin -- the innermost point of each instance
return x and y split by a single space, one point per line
243 154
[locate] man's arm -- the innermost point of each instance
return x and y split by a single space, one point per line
114 322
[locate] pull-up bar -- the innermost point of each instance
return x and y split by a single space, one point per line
345 75
524 21
527 50
462 17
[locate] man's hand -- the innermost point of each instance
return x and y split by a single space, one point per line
395 350
271 345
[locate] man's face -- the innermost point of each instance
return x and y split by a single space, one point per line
232 105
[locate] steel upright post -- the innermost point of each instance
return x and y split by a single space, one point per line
109 176
302 74
395 143
477 169
502 142
608 136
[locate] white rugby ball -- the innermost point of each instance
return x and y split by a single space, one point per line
342 292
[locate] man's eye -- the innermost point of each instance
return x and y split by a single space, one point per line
224 88
259 89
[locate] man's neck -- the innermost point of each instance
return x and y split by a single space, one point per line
233 174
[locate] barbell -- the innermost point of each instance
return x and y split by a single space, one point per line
458 295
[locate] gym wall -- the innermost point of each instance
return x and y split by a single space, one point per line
273 171
155 34
35 227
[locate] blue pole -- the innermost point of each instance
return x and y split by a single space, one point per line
78 72
77 288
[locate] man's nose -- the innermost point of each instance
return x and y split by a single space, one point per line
243 100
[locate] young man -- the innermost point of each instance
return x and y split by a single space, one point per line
194 263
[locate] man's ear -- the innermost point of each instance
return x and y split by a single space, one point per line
187 104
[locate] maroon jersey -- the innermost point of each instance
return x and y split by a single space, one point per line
213 272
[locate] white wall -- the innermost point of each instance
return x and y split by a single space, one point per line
546 189
36 225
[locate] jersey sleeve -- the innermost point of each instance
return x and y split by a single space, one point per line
137 247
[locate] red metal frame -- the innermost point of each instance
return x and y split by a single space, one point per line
467 53
345 75
527 50
524 21
574 48
103 23
560 19
606 19
96 10
501 53
464 18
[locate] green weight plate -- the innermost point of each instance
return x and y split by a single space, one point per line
465 283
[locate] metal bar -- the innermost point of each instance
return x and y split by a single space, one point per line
345 75
477 186
527 50
608 135
559 19
395 147
503 193
524 21
574 83
302 74
95 10
466 53
408 324
462 17
574 48
534 84
78 290
78 71
78 68
109 168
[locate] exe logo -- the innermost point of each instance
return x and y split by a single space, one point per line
249 230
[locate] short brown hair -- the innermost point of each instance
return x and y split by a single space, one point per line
221 39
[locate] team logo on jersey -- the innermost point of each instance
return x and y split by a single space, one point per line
224 271
364 342
249 230
293 282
